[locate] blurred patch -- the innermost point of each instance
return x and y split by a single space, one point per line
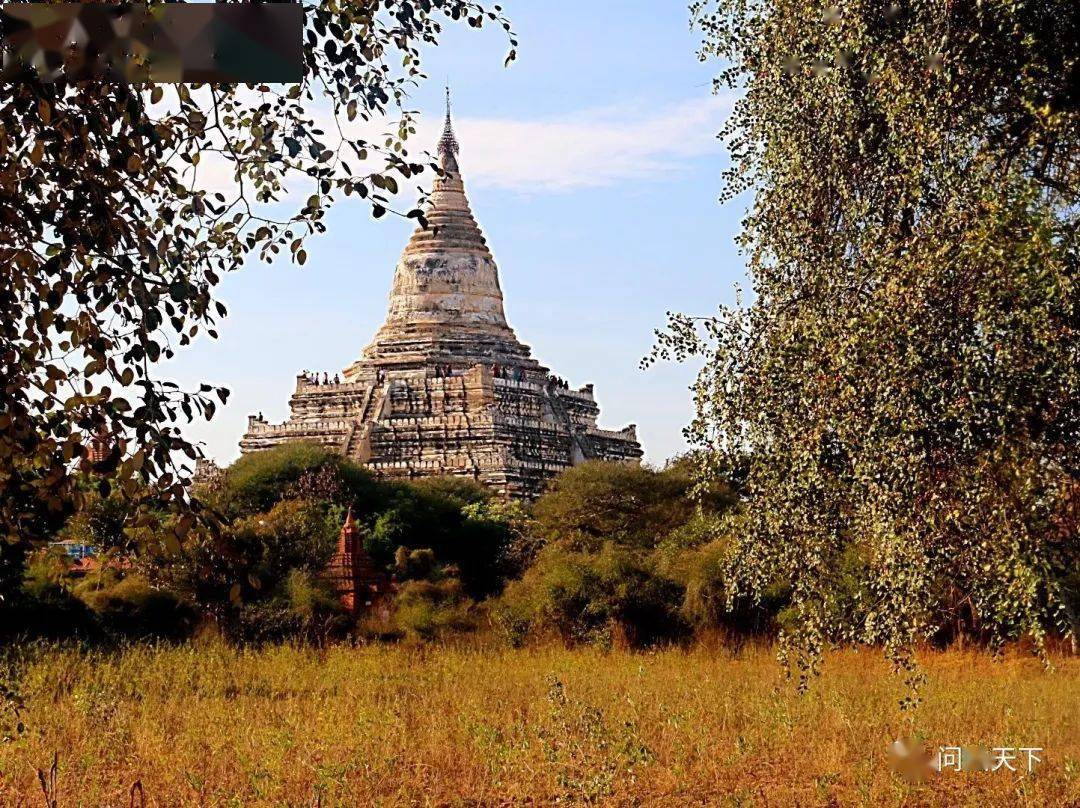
910 760
177 42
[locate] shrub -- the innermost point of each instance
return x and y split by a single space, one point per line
630 553
45 574
294 534
127 605
56 616
302 607
435 513
419 565
592 597
240 575
43 606
700 571
426 610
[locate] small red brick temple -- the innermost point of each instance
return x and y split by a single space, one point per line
352 573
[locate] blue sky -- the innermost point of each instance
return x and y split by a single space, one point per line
593 168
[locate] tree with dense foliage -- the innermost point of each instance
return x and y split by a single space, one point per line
112 246
259 575
905 380
440 514
620 553
625 503
299 470
611 595
430 600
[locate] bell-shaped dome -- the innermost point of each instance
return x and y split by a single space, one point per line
446 285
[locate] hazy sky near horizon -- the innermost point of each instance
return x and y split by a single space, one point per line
593 168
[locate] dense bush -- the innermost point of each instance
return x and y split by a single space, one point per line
300 607
631 505
612 595
105 604
628 554
427 609
447 515
128 606
244 576
42 605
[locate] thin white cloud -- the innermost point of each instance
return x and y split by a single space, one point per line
594 148
589 149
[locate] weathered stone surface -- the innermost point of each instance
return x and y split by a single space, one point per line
446 387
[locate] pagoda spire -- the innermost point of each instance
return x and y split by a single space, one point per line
448 147
348 534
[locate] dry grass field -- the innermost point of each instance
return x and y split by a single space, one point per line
213 726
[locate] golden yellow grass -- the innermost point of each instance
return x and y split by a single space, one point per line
215 726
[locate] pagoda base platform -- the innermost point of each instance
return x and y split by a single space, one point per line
512 427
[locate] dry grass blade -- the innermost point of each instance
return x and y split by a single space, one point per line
48 782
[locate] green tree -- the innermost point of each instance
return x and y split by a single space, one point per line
295 470
246 574
632 505
441 514
111 247
433 606
906 377
610 595
126 605
613 552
